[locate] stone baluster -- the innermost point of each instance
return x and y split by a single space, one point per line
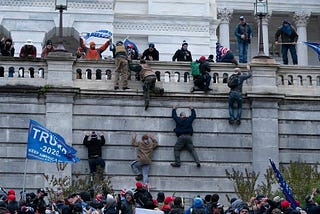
301 19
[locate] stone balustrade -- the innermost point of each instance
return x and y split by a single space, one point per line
174 76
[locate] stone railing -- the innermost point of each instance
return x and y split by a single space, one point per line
173 76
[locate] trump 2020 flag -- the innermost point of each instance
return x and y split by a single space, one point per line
315 47
286 190
45 145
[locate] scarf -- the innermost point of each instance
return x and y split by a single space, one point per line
287 29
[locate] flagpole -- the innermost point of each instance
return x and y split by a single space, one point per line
24 175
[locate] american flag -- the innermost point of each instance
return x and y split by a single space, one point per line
286 190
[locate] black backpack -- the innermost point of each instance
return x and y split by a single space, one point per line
233 81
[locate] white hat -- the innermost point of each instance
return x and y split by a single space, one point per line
29 42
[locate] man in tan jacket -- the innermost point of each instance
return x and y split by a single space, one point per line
141 165
148 77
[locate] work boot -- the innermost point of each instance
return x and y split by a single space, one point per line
139 177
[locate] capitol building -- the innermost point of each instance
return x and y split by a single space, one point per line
164 22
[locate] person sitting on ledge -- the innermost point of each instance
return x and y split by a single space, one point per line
224 54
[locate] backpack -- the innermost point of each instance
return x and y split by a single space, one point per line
233 81
195 71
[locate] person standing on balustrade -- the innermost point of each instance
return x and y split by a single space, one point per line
121 63
243 33
289 38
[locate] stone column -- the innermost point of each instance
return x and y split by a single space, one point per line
301 19
224 15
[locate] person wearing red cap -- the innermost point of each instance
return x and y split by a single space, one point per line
143 197
202 81
141 166
92 52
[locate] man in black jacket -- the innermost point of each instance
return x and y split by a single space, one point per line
94 146
184 132
183 54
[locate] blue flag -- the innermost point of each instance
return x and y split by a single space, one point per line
315 47
45 145
99 34
286 190
127 42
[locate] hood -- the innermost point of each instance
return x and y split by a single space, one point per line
197 202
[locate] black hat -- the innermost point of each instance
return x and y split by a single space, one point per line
151 45
41 190
49 42
184 43
119 43
242 18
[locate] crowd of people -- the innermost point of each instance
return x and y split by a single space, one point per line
242 32
138 199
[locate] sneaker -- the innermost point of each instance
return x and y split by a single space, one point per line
125 88
238 122
139 177
198 165
192 89
231 122
116 87
175 164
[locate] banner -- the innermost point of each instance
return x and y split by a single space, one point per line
127 42
99 34
286 190
45 145
315 47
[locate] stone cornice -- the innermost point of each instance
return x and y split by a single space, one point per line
157 24
72 4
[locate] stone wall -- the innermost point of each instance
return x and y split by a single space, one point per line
280 121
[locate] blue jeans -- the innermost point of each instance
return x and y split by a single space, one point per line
141 169
293 52
96 162
235 97
243 51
